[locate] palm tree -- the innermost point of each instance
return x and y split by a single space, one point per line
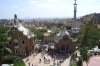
4 51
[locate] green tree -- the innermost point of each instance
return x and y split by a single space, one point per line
89 37
68 27
52 34
84 54
38 33
19 62
4 51
59 25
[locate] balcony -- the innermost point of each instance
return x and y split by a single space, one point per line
16 45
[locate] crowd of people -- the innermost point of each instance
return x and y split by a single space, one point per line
44 59
47 60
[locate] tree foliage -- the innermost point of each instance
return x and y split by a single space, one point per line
59 25
3 41
84 54
89 37
3 30
68 27
38 33
19 62
52 34
4 51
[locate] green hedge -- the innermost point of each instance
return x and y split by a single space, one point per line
8 60
19 62
13 60
74 62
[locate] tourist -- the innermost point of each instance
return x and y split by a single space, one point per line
32 64
44 58
57 63
29 63
27 59
54 56
48 61
40 60
54 63
60 62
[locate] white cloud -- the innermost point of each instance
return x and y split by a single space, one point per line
47 4
33 2
54 8
47 8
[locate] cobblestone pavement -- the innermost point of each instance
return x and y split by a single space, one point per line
35 60
94 61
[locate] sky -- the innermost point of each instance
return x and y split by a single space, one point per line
46 8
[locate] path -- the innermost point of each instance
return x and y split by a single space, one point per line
94 61
35 61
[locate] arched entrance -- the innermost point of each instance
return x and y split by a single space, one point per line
64 48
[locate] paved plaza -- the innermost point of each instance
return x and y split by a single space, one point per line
94 61
35 60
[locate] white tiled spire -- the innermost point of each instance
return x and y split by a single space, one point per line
74 26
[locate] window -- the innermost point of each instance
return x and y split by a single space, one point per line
19 35
15 42
33 47
23 42
15 51
9 43
22 52
15 30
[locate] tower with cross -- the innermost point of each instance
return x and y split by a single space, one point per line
14 22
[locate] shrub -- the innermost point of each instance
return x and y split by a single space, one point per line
8 60
19 62
95 53
99 53
13 60
74 62
79 62
91 54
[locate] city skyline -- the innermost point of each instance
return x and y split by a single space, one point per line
46 8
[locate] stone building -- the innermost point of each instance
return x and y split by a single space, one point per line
22 40
47 39
66 41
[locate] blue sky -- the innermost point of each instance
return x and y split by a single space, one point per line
46 8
